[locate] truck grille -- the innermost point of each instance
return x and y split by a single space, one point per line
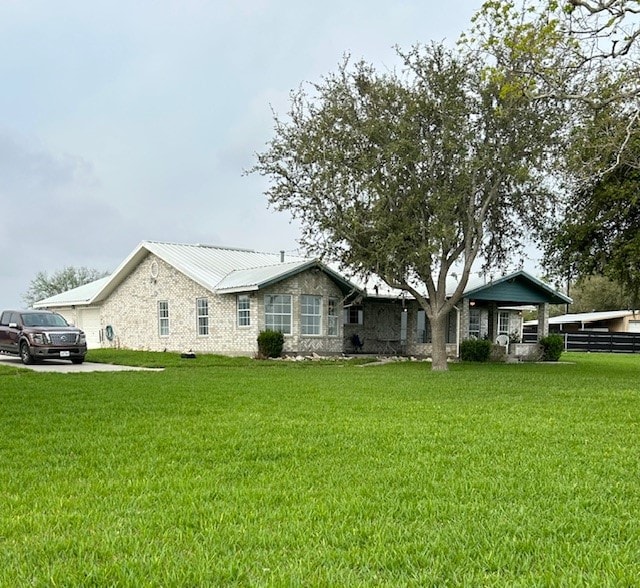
63 338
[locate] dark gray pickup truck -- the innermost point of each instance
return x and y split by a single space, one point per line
40 334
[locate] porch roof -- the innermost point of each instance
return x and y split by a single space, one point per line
513 290
519 288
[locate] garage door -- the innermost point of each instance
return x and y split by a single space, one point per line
89 322
634 326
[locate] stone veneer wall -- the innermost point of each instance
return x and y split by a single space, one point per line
132 311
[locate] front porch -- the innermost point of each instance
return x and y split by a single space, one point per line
397 325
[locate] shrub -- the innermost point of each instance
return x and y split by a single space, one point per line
552 347
270 343
475 350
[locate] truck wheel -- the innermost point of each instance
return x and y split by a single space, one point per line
25 353
77 360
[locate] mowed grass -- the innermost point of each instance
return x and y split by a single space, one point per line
222 471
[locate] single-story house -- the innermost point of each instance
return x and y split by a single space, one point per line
216 300
608 321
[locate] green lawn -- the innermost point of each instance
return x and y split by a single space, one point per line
223 471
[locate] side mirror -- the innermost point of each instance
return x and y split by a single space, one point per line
13 325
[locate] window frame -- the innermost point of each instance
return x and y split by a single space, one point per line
271 325
242 313
501 315
163 321
202 319
354 314
476 313
310 322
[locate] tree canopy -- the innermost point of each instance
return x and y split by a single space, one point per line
601 230
598 293
45 285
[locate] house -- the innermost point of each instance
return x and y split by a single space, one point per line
209 299
216 300
608 321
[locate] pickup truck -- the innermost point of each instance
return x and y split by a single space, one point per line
40 334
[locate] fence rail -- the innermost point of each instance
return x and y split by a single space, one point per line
594 341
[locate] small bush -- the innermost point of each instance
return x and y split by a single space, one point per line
552 347
270 343
475 350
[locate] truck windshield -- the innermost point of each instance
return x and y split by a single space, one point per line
43 319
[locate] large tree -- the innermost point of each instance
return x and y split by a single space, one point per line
406 175
45 285
412 174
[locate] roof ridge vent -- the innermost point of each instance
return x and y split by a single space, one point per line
225 247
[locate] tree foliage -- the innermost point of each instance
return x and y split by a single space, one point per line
582 51
45 285
601 231
597 293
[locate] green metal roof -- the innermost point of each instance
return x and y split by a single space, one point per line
517 289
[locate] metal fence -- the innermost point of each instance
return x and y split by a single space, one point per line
594 341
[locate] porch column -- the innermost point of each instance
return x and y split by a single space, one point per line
464 320
493 321
543 320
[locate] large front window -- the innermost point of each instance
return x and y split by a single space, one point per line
163 318
310 315
202 307
277 313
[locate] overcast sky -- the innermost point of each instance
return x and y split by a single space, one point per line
129 121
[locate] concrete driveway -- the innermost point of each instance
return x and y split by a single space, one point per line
66 367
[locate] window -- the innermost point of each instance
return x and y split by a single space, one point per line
503 323
163 318
332 317
353 315
474 323
277 313
424 328
424 333
310 315
202 309
244 310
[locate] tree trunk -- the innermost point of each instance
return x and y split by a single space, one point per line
439 342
